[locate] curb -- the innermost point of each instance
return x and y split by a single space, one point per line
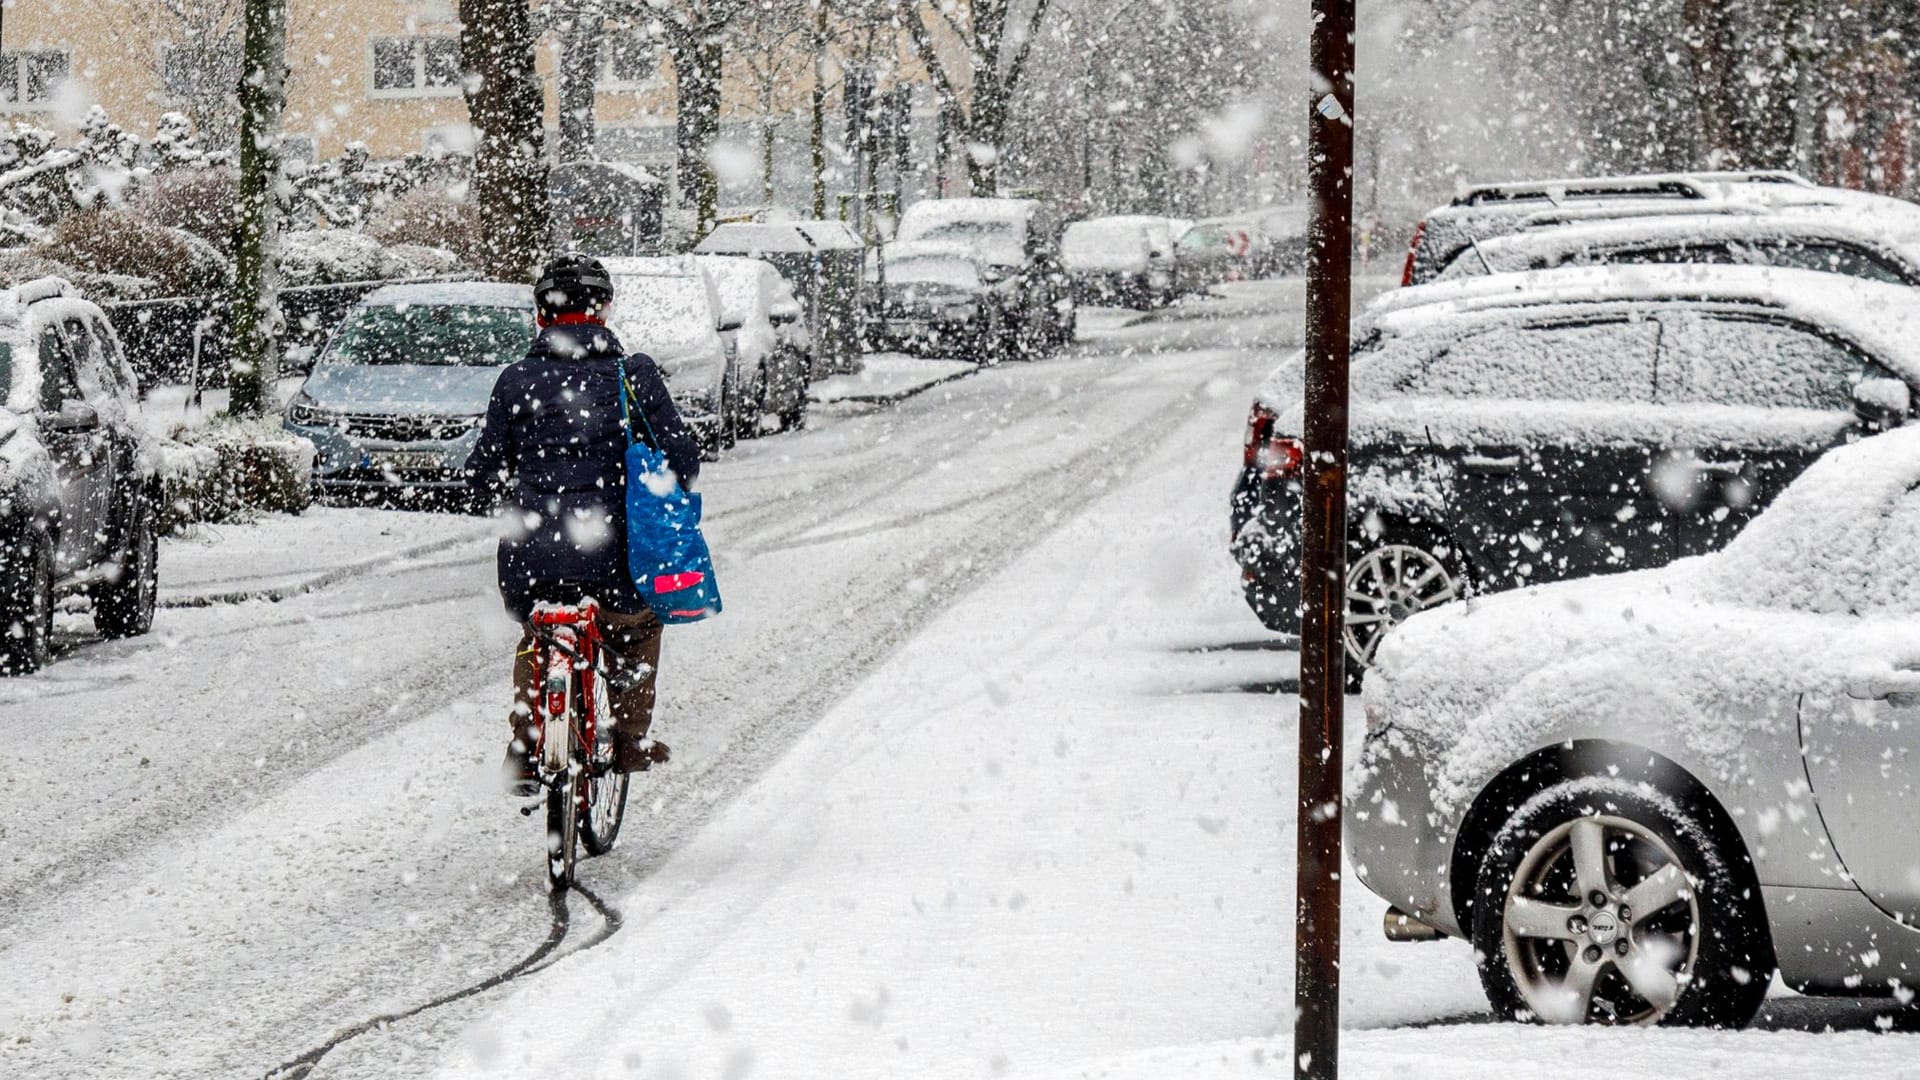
276 593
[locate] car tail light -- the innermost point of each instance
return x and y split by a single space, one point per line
1413 247
1274 456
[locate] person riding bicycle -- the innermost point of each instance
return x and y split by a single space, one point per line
552 446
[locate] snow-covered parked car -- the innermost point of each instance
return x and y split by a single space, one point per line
79 484
1119 260
1639 795
668 308
1859 245
1213 250
774 350
1523 428
1482 212
394 401
1014 246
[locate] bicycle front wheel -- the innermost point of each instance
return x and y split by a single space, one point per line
603 800
563 828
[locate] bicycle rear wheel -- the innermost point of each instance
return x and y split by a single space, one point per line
563 797
604 800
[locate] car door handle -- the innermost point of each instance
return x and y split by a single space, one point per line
1720 468
1490 465
1900 689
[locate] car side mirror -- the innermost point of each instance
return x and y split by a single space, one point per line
1882 404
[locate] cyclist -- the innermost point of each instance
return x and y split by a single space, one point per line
553 448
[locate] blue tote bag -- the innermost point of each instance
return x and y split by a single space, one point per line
666 555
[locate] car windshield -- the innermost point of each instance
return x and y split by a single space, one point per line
966 230
439 335
661 313
932 270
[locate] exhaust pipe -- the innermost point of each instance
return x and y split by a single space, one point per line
1400 926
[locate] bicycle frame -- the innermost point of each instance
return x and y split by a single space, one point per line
568 650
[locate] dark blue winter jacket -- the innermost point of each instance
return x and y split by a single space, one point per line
553 444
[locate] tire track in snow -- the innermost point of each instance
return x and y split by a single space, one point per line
546 953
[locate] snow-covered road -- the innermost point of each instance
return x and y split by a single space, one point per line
966 783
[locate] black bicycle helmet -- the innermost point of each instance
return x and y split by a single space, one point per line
572 283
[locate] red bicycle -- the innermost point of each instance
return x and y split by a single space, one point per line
586 798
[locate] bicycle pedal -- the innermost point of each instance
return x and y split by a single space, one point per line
527 810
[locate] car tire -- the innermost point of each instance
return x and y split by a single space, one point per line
1697 954
26 608
124 607
753 407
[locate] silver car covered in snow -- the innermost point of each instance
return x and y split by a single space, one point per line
1640 795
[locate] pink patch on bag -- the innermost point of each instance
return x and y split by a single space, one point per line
675 582
688 614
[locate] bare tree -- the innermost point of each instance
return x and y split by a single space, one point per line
975 52
199 60
506 107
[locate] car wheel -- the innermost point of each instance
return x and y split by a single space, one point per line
1603 902
26 608
124 606
1388 582
753 407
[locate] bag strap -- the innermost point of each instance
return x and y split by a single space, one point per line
626 416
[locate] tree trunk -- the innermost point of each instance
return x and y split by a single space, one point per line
579 76
510 168
696 75
817 132
986 131
253 301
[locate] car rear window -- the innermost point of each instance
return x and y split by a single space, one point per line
1607 360
1730 359
444 335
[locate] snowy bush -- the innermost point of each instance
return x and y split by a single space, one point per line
204 202
232 469
117 242
431 218
332 256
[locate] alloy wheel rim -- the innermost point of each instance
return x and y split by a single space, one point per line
1387 586
1601 924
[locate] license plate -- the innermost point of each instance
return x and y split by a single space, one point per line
405 461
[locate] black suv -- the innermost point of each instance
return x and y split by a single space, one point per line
1520 429
79 495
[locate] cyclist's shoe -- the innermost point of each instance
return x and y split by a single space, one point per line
639 755
517 772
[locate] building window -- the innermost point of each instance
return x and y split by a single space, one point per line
416 67
628 58
28 80
190 70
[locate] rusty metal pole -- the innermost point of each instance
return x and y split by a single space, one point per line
1323 562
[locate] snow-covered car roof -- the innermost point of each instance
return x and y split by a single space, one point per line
1516 250
778 237
1106 243
1882 318
932 213
652 266
452 293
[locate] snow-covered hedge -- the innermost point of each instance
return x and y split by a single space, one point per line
229 469
332 256
115 242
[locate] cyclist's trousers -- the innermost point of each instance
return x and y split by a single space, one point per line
632 653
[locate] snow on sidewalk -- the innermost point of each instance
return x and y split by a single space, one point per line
888 377
280 554
1030 840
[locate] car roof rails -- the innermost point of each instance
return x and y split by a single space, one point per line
1674 186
